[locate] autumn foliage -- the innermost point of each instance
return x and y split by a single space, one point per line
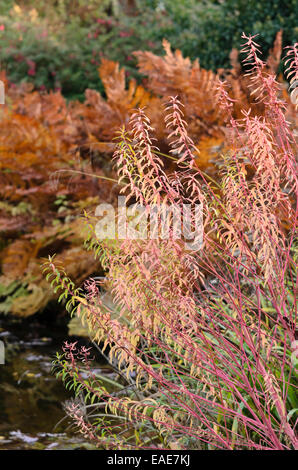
51 153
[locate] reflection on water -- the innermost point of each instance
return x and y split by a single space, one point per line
30 396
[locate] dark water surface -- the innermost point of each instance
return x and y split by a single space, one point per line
30 396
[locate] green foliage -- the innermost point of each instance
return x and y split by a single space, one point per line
8 293
60 282
221 28
209 29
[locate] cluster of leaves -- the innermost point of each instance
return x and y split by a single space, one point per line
59 45
203 340
60 48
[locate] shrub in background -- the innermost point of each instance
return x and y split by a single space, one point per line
211 29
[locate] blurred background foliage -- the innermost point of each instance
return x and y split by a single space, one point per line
58 44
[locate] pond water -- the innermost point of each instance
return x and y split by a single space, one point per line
31 410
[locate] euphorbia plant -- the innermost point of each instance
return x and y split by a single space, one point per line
203 340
